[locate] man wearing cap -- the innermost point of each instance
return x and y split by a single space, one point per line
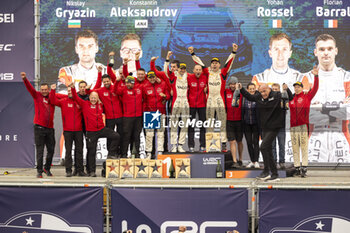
329 113
180 105
216 90
131 99
280 51
155 96
234 122
299 123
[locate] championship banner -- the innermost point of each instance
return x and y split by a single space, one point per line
164 210
155 27
56 210
16 128
304 211
17 40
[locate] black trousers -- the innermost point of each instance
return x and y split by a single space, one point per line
77 138
201 115
112 123
132 127
251 133
266 149
92 138
44 137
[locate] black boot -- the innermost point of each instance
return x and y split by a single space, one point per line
303 172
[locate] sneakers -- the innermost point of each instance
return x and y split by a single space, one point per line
250 165
47 172
160 152
223 148
180 149
303 171
240 164
282 166
234 165
69 174
191 149
173 149
81 174
92 174
297 172
272 178
39 175
264 176
202 149
256 165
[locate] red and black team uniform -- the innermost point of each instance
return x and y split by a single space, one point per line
44 132
72 131
234 117
131 100
111 104
197 100
95 129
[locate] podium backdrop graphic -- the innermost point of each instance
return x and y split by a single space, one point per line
201 210
210 27
51 210
16 104
302 211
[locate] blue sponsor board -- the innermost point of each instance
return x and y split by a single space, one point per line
53 210
304 211
204 165
200 210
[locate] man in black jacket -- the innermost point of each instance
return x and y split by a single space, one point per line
271 120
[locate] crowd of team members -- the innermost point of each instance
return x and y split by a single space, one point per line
115 111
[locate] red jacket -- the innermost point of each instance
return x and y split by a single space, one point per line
300 106
197 98
44 110
233 113
92 113
131 100
71 112
152 99
109 99
161 75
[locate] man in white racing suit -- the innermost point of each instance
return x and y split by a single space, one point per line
329 112
216 90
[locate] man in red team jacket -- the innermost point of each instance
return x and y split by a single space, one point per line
72 130
131 99
111 103
95 128
197 99
44 132
155 96
299 123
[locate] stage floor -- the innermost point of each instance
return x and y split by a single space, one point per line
322 178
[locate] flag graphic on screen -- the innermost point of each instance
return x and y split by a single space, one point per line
276 23
36 222
318 224
330 23
74 23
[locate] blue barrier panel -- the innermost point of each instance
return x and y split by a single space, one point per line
51 210
301 211
164 210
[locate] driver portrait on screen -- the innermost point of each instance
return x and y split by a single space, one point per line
329 140
86 47
130 45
